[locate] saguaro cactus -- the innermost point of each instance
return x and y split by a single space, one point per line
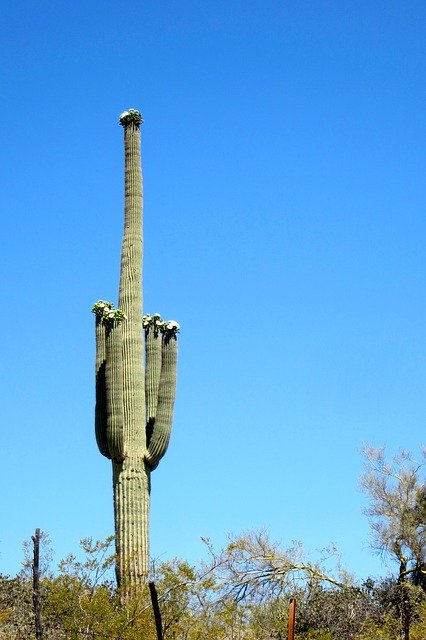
136 359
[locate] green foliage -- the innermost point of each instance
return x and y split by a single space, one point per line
80 601
16 614
339 613
95 569
387 629
418 629
315 634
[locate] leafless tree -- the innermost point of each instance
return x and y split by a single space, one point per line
397 513
251 566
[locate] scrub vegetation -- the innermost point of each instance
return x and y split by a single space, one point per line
242 592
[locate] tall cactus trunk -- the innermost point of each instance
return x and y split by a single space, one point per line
131 482
132 423
130 478
130 294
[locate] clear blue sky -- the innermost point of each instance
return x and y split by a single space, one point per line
284 168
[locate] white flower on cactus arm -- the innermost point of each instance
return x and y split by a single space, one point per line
172 325
107 314
124 114
101 307
170 329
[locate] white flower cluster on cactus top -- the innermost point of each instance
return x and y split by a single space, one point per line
132 116
167 327
107 313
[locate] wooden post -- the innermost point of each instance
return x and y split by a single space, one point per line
156 609
36 586
291 618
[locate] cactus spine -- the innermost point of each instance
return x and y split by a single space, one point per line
134 407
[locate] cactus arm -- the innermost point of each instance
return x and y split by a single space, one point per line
153 350
166 397
152 375
100 407
114 392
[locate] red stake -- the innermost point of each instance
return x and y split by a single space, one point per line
291 618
